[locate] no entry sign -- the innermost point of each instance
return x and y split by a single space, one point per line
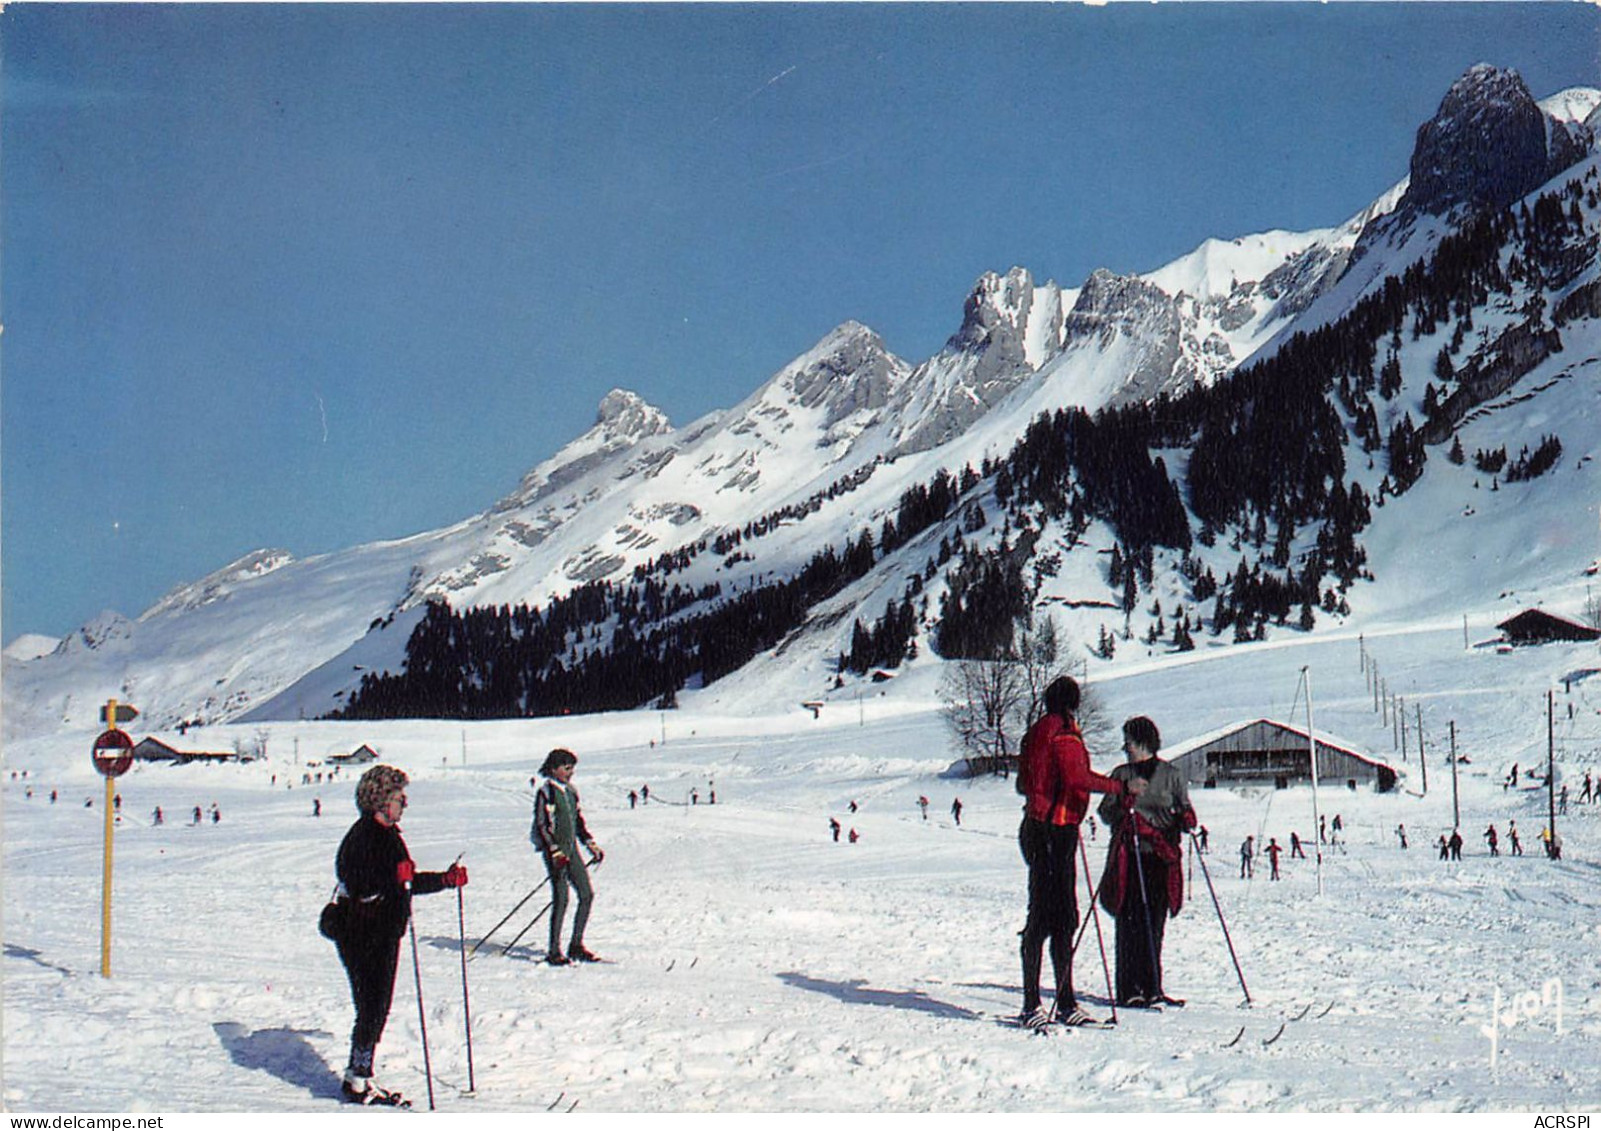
112 753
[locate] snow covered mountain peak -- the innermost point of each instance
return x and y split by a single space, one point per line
1575 104
621 422
848 373
217 585
627 414
1487 145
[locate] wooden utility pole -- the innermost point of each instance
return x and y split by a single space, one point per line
1456 806
1422 758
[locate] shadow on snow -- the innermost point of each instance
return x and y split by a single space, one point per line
284 1053
856 992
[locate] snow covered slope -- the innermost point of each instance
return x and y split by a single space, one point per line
759 966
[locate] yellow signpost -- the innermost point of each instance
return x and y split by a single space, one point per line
112 754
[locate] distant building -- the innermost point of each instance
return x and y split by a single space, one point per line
362 753
154 750
1536 626
1267 751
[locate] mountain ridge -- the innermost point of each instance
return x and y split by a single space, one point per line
634 491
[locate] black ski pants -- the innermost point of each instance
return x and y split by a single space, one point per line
1139 955
370 964
1049 851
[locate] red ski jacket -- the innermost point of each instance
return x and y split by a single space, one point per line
1054 774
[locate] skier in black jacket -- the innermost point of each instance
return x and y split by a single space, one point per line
378 878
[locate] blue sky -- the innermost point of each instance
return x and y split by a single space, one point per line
308 276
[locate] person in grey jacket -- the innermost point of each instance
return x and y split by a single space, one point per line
557 831
1149 823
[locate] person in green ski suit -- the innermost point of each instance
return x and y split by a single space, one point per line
557 831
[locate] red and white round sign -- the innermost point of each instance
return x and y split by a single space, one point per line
113 753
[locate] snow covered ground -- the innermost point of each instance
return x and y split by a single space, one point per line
758 966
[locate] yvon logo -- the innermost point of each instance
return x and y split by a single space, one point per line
1527 1006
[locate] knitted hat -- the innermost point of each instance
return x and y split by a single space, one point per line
377 786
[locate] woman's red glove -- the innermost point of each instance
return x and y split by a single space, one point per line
455 876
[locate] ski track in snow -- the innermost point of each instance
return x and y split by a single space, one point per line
758 966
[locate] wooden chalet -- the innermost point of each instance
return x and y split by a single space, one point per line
1264 750
154 750
1536 626
359 755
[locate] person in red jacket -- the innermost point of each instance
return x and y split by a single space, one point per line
1055 779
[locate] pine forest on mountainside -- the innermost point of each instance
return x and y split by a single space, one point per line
1266 457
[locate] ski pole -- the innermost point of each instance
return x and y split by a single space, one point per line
422 1017
466 1003
531 893
1218 907
507 948
1111 995
1145 901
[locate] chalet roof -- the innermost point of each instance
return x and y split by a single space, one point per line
1531 621
1325 741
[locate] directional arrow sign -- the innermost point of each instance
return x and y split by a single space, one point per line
125 714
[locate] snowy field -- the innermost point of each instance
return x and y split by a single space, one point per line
758 966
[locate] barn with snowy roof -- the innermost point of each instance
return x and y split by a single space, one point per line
1264 750
1536 626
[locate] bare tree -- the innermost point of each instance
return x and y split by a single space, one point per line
983 700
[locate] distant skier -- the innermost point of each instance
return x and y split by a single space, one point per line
378 877
558 830
156 817
922 803
216 815
1512 837
853 805
1247 851
1492 840
1206 840
854 836
694 797
116 802
52 797
1456 844
1562 801
1089 823
1584 794
1296 853
633 798
1445 848
1273 850
833 827
644 794
316 806
956 811
198 816
1323 830
1400 831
